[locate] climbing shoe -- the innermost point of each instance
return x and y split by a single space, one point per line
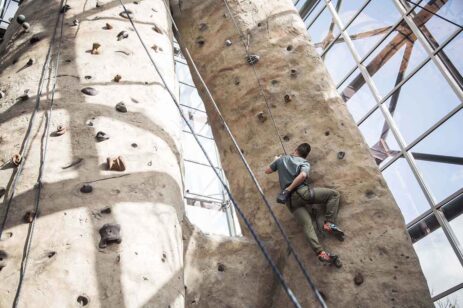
334 229
326 257
283 197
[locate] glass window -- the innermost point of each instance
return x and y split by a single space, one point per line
453 300
355 92
406 190
372 24
435 28
453 211
314 13
379 138
207 220
339 61
347 9
183 73
421 102
189 96
10 10
394 58
198 120
441 163
439 263
192 151
323 31
201 180
451 56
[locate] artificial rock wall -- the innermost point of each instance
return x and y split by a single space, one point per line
306 108
66 266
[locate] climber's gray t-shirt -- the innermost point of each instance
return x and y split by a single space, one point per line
288 167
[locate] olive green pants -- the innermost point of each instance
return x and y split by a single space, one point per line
301 204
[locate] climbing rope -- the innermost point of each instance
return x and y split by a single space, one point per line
248 224
249 170
253 64
43 155
27 138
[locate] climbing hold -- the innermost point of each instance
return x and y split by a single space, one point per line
88 77
101 136
261 116
110 233
288 98
341 154
3 257
60 130
370 194
2 94
2 191
86 189
228 43
200 41
293 73
51 254
121 107
358 279
203 27
115 164
327 133
126 14
83 300
75 22
21 19
30 62
286 138
289 48
16 159
28 217
221 267
236 81
65 8
89 91
26 26
95 49
156 48
157 29
134 145
274 82
252 59
108 26
24 97
34 39
176 51
98 4
106 210
117 78
122 35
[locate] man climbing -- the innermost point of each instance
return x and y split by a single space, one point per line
293 171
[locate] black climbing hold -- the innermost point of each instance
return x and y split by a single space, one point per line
3 257
106 210
293 73
88 77
21 19
108 26
98 4
221 267
89 91
341 155
68 60
121 107
274 82
51 254
126 14
358 279
134 145
203 27
176 51
286 138
252 59
83 300
370 194
86 189
157 29
75 22
228 42
327 133
110 233
26 26
122 35
289 48
101 136
200 41
2 191
117 78
259 24
236 81
30 62
28 217
65 8
288 98
261 116
34 39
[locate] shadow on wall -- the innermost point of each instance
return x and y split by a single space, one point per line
62 196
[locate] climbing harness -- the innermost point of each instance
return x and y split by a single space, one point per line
259 242
244 161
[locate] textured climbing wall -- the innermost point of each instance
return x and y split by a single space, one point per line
66 265
306 108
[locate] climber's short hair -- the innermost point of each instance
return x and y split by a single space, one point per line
303 149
